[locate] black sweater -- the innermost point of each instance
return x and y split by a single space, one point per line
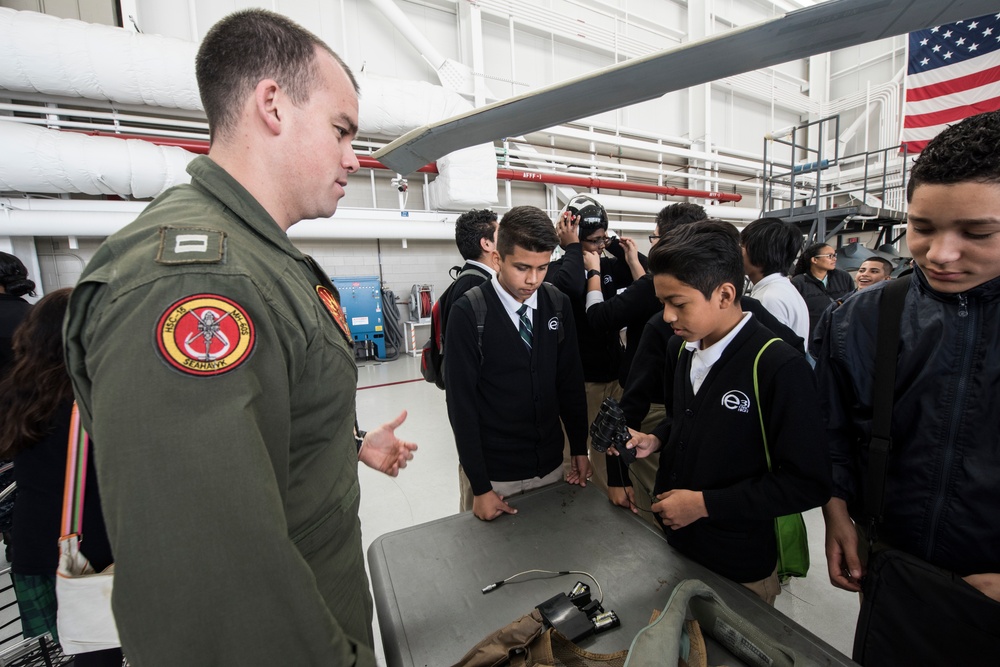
13 310
505 408
630 309
714 445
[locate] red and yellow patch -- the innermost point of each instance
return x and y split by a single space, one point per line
326 296
205 334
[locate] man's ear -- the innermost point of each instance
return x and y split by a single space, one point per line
267 97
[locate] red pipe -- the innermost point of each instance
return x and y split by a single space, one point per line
590 182
201 146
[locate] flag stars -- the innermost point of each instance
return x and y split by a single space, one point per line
925 61
973 47
937 47
934 30
987 32
960 42
924 41
947 34
973 25
947 56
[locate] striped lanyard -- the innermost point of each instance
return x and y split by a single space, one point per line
76 476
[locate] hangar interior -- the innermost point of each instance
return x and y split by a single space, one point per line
87 142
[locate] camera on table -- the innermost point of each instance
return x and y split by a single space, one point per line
609 430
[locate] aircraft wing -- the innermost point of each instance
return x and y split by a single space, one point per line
825 27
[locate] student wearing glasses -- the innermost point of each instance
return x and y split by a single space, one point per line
819 281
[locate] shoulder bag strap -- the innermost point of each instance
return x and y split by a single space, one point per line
756 396
76 476
890 313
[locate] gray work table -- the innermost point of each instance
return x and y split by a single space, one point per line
427 579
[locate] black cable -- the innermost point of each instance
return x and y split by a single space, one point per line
393 329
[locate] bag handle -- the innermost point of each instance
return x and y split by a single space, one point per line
77 451
890 313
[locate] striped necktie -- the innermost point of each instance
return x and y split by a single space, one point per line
524 329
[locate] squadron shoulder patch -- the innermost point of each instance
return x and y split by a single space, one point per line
205 334
332 305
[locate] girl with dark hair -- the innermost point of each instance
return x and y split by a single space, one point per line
36 400
819 281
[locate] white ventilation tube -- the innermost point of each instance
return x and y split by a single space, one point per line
44 54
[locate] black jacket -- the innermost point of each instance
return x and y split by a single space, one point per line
600 350
819 297
942 494
630 309
714 445
505 408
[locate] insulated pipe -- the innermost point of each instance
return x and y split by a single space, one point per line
196 146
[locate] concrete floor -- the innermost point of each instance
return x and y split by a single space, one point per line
428 489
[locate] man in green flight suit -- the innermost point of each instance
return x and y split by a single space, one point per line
213 368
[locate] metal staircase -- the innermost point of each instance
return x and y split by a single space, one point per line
808 183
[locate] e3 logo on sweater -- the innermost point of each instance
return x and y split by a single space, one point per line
736 400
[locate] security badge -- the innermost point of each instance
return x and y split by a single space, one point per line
205 335
332 305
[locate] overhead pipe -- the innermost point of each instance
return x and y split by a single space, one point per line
591 182
201 147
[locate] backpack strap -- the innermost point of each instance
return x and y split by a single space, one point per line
890 312
478 301
555 296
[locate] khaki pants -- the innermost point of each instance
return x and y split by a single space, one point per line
596 393
766 589
505 489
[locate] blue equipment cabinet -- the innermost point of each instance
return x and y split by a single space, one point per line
361 299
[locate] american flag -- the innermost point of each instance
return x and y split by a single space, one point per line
953 73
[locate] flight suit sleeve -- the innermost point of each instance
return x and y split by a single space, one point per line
193 472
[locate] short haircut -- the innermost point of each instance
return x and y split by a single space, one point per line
966 151
472 227
528 227
678 214
14 277
703 254
804 262
886 264
246 47
771 245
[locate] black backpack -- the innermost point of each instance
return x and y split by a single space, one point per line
432 354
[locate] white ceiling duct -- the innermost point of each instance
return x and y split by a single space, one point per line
44 54
48 161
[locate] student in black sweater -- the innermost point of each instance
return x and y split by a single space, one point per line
509 386
643 408
716 498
